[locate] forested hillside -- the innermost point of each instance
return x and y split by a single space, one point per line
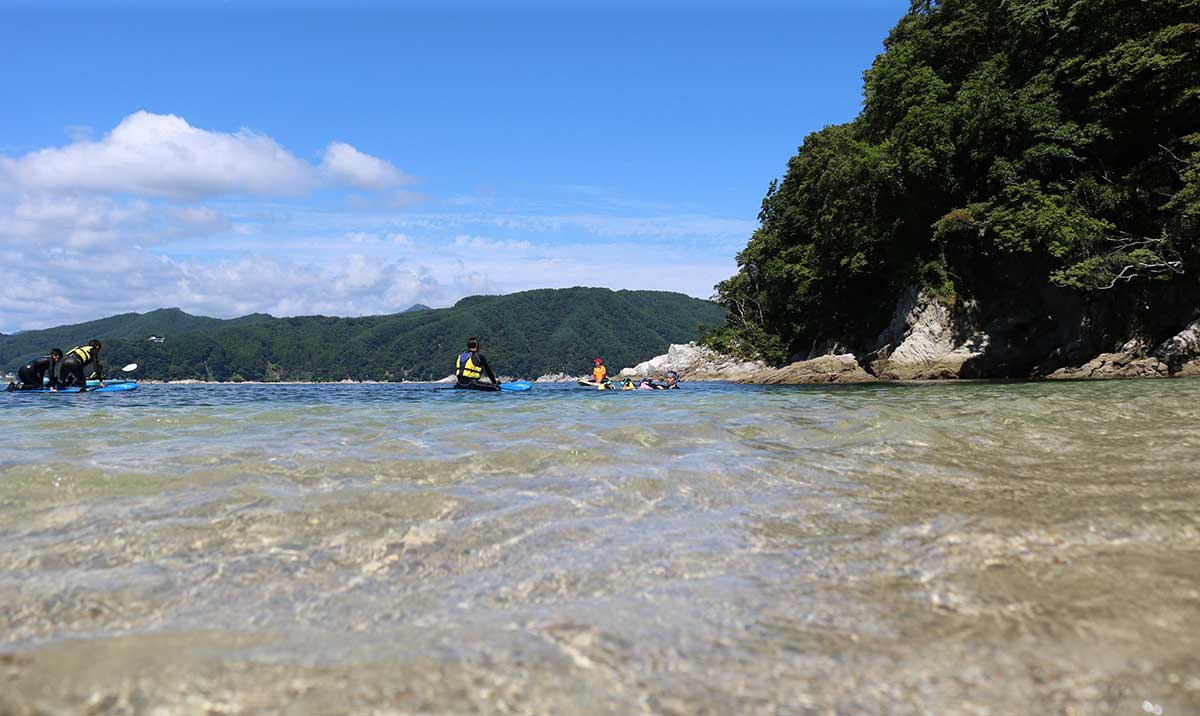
523 334
1036 160
17 348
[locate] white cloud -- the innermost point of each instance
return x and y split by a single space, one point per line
344 164
161 155
41 288
75 222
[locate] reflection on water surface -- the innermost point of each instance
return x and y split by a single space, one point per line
963 548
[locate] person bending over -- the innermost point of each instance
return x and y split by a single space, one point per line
80 364
471 366
30 376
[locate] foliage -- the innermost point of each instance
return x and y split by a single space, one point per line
1057 135
522 334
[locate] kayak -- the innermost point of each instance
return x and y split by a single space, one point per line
116 387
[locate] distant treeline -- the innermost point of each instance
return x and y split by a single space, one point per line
523 334
1020 143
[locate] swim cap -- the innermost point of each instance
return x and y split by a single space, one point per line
598 361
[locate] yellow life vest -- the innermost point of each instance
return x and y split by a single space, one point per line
465 367
599 374
84 353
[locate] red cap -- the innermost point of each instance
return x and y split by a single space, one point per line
599 361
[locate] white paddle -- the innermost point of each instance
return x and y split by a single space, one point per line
127 369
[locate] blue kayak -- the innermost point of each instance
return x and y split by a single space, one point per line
115 387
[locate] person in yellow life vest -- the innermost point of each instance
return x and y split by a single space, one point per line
80 364
471 366
599 373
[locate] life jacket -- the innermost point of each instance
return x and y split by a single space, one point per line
83 353
464 367
599 374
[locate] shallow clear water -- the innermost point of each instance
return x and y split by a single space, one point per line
973 548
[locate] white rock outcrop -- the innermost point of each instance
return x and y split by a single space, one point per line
841 368
1181 348
930 345
556 378
693 362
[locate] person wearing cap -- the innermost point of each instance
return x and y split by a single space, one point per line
599 373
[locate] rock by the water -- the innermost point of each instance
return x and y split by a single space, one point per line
841 368
556 378
1130 362
693 362
931 345
1181 348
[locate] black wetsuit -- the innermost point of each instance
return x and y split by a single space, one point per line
75 372
480 363
30 375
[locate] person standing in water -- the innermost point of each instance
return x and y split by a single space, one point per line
80 364
470 367
30 376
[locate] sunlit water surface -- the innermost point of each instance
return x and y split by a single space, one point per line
967 548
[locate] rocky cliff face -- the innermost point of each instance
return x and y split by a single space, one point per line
1043 333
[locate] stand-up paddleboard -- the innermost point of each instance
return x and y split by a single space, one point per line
516 386
115 387
598 386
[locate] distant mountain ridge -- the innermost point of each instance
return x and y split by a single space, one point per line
523 334
162 322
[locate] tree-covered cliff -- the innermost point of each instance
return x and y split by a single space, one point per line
1005 148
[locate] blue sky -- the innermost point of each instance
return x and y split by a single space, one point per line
355 159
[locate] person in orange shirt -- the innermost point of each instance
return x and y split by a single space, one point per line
599 373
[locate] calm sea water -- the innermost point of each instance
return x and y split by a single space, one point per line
970 548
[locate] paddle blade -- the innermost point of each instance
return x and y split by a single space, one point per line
130 367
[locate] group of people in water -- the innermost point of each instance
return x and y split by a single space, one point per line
470 367
601 379
80 364
58 370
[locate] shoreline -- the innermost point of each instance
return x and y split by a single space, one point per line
684 381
